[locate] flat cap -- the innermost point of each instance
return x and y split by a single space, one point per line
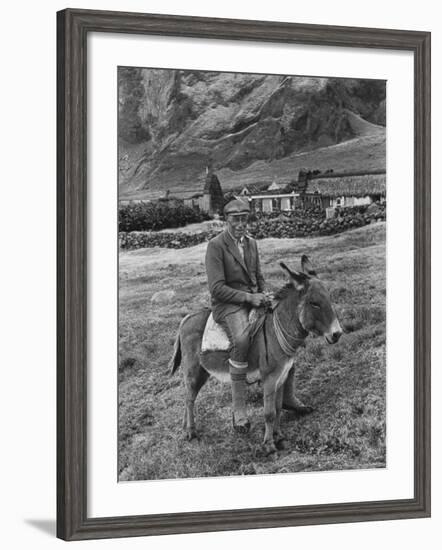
237 207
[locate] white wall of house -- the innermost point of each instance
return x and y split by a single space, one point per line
267 205
337 201
350 201
204 203
270 202
285 203
358 201
363 200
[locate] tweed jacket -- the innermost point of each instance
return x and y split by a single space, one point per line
231 277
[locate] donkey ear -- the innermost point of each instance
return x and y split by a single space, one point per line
307 267
297 278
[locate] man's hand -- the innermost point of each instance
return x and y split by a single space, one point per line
257 300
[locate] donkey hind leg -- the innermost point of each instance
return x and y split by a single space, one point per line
193 382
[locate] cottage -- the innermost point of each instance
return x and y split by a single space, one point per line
269 201
194 201
269 198
344 191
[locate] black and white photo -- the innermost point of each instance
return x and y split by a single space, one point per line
252 274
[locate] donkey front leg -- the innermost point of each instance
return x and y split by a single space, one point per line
278 436
269 415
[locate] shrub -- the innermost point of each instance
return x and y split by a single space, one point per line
153 216
309 222
145 239
312 221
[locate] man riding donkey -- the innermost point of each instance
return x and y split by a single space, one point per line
236 285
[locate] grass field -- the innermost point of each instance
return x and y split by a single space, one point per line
345 383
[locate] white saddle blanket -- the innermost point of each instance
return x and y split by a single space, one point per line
215 337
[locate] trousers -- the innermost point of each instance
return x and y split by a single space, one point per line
237 328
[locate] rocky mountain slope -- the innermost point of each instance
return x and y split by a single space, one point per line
172 123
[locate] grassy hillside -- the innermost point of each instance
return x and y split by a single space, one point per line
345 383
360 154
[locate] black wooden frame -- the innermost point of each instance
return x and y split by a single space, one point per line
73 27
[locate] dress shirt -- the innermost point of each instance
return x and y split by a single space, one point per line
240 245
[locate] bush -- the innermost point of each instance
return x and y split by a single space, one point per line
309 222
153 216
145 239
312 221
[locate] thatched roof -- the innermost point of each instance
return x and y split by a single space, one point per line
351 186
275 193
252 189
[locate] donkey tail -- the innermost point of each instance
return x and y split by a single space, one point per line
177 355
175 360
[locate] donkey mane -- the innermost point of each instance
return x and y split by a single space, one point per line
283 292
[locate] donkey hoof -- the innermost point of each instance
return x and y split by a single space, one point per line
305 409
241 426
298 409
191 435
269 448
282 444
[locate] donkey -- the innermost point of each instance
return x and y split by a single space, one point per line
300 307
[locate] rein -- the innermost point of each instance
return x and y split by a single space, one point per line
288 342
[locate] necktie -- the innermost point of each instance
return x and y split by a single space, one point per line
240 243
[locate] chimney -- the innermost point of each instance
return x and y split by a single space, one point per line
209 167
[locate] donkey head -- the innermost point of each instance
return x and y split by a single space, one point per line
315 309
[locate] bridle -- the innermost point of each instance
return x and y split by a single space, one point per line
289 343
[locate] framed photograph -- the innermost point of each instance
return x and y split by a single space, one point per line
243 274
